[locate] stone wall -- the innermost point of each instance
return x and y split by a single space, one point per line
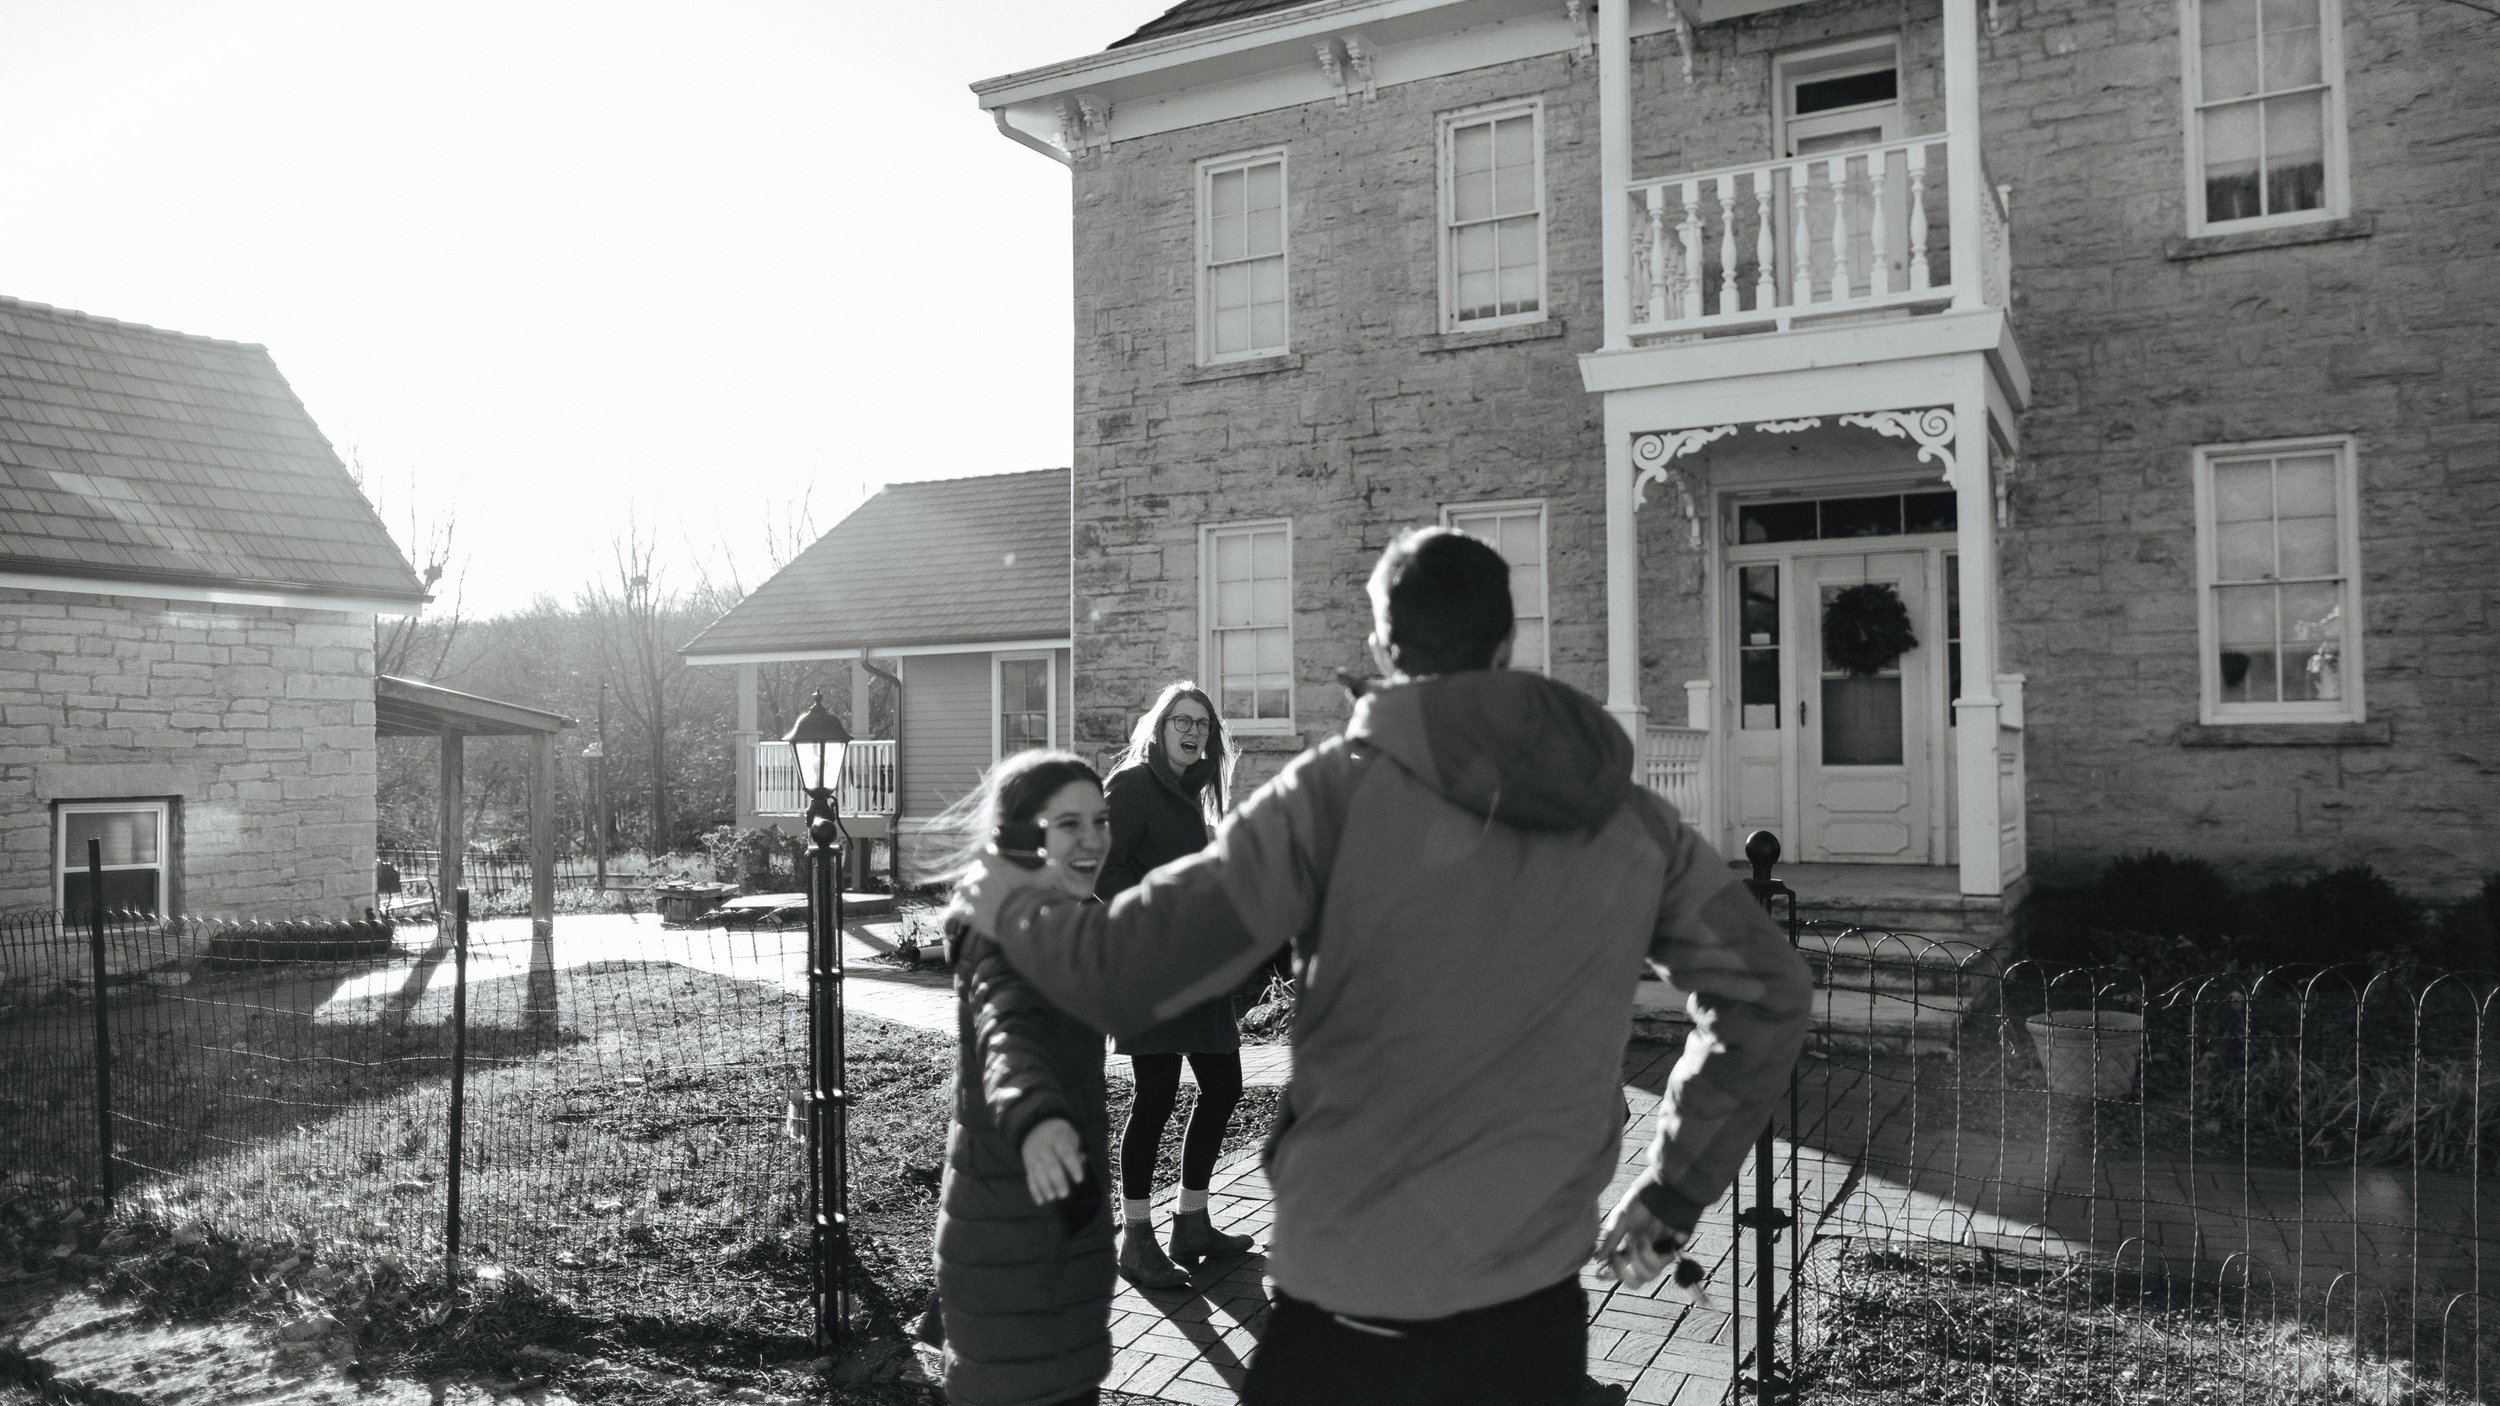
256 722
2138 352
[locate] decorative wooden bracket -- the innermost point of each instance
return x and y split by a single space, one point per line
1084 123
1653 459
1330 67
1358 57
1931 429
1577 11
1680 25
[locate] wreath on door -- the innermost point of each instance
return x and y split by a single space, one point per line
1866 629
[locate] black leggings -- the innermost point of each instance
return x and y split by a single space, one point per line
1158 1087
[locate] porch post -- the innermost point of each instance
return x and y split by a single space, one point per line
747 737
1614 170
1623 591
1965 175
450 831
541 1013
1975 712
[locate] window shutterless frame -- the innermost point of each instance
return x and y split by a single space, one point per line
999 666
1496 523
1824 62
1249 610
137 837
2315 615
2330 86
1221 183
1500 221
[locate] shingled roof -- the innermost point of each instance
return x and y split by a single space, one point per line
954 561
1197 14
132 454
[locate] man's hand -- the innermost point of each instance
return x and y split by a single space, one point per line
984 888
1634 1246
1054 1161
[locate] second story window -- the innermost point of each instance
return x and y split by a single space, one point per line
1241 257
1493 218
2265 135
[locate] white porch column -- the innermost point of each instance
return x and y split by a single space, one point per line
1614 173
1623 592
1964 175
747 736
1975 712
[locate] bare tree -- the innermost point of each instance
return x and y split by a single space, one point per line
629 614
402 644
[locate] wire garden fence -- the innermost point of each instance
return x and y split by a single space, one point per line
2018 1182
623 1127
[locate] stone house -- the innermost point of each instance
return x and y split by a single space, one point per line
189 579
953 594
2136 359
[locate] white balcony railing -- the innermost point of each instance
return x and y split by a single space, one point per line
1782 242
1675 764
867 779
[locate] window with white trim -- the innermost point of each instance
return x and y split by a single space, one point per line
1241 257
2278 561
1024 697
2265 112
1492 217
1246 601
132 840
1517 531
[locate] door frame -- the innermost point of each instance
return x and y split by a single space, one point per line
1939 549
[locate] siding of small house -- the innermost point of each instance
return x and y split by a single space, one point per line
946 730
257 722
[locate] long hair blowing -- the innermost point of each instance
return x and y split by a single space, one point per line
1147 736
1014 791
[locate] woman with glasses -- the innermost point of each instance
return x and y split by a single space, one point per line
1166 792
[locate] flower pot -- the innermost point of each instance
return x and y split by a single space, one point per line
2089 1054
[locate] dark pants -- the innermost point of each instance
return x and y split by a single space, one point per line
1530 1351
1158 1088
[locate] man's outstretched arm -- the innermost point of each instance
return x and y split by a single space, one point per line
1195 928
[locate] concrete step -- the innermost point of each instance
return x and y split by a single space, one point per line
1901 963
1843 1018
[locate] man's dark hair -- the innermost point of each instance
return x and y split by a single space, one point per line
1448 598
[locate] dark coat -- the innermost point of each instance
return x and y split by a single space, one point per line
1027 1302
1153 822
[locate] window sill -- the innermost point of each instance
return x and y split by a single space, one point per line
1546 330
1256 366
2376 734
2206 246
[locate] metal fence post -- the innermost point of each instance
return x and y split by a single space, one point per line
103 1021
459 1083
1765 1217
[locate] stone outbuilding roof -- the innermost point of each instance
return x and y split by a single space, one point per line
133 454
952 561
1197 14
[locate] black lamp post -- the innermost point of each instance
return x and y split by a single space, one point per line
818 740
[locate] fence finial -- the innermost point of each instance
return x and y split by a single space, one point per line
1762 850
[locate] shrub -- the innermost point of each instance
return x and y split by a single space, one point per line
748 857
2350 915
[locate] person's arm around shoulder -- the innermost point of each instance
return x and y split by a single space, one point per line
1122 865
1019 1084
1751 995
1195 927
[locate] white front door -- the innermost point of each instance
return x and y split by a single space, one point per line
1863 740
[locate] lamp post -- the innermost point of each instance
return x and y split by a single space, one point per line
817 740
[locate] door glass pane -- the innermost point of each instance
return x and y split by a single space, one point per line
1759 701
1861 517
1759 587
1862 721
1930 512
1775 522
1758 647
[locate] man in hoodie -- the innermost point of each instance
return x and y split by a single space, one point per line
1470 882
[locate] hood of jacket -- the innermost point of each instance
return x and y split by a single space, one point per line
1515 747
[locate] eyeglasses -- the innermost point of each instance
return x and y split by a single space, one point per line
1189 724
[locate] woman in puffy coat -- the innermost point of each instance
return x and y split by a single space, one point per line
1165 794
1024 1260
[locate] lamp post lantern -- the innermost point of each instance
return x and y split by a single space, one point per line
817 741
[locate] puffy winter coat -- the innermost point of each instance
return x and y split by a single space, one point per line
1153 822
1026 1301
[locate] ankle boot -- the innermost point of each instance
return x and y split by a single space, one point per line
1195 1240
1142 1262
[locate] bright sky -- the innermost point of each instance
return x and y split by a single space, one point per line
546 265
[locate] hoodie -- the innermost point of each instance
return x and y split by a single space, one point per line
1471 884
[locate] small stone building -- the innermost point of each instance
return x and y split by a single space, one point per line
2136 359
188 584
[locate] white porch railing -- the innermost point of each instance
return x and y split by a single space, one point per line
1675 764
867 779
1781 242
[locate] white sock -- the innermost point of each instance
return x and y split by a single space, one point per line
1193 1200
1136 1211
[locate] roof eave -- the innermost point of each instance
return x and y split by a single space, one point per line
140 579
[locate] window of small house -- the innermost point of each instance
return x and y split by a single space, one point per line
129 837
2265 131
1026 705
2280 585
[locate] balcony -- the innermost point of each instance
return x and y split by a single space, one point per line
867 780
1839 235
